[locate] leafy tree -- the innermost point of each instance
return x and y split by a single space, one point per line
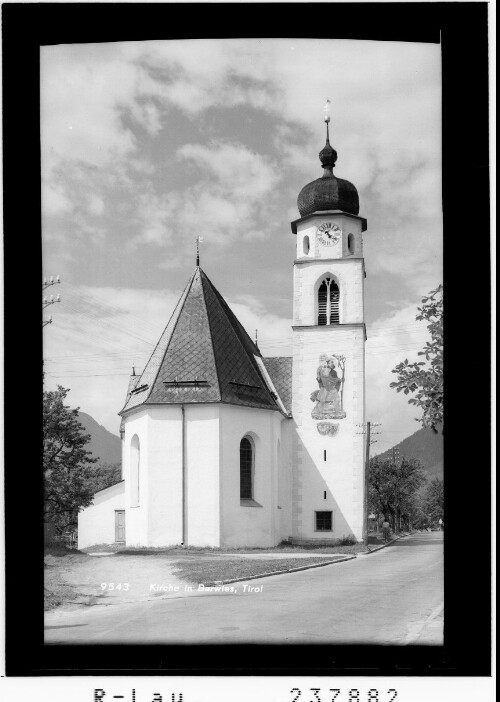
107 474
393 488
69 474
433 501
425 378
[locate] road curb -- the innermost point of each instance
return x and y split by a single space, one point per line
378 548
277 572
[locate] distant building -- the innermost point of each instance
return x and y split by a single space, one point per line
222 447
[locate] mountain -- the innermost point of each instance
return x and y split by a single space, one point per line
424 445
103 444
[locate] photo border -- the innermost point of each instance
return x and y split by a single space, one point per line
463 32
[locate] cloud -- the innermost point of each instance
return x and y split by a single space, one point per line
153 215
79 115
197 75
274 331
226 198
392 155
236 168
54 199
96 205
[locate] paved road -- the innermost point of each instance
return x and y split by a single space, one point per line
394 596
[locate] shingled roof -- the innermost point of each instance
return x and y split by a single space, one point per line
280 372
204 355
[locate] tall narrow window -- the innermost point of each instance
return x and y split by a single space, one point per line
328 302
135 456
305 245
350 243
246 469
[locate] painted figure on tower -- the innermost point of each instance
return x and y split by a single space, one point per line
329 396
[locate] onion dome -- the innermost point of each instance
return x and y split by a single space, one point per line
328 192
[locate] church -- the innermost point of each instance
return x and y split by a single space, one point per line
222 447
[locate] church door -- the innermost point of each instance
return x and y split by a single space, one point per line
119 525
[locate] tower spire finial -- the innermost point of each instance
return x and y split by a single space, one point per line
327 155
326 118
198 239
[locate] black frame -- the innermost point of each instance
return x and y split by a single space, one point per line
466 152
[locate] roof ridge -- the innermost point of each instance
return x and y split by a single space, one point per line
177 309
250 350
203 276
237 325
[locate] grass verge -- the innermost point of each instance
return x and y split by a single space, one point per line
220 570
56 590
207 551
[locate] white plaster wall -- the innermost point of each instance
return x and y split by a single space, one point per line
164 518
342 474
202 466
215 516
96 523
158 519
245 525
136 523
284 478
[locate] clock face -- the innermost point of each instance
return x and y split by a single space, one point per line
329 233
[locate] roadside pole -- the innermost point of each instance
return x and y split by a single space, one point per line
367 468
397 515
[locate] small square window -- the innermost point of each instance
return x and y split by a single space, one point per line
323 521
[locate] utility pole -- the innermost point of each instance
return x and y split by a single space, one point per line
49 301
368 433
397 518
367 470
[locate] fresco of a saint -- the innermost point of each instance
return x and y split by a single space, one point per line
328 397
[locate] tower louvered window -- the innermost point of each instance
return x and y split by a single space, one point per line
328 302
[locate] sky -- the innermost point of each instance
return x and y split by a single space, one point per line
147 145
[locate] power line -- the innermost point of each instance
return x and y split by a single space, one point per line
89 375
143 322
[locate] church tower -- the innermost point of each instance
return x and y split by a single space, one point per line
328 405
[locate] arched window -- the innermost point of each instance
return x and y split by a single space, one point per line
246 468
305 245
350 243
135 456
328 302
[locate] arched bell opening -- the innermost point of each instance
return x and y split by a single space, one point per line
328 301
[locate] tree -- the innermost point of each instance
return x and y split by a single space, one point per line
69 475
393 488
433 501
425 378
107 474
